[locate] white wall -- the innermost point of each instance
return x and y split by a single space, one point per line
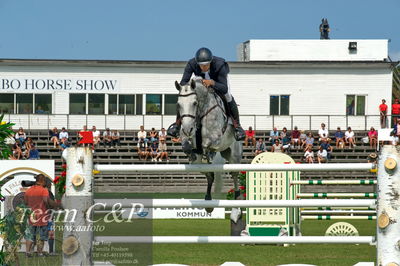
310 50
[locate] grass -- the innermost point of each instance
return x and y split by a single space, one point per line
215 254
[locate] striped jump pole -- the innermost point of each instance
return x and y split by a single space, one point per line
338 217
334 182
232 167
335 212
336 195
237 239
194 203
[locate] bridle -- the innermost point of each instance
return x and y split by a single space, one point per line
186 95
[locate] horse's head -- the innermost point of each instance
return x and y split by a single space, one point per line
187 106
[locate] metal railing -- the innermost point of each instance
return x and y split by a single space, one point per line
133 122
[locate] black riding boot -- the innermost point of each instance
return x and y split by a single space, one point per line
175 128
240 134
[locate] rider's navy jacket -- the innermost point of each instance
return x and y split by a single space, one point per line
218 72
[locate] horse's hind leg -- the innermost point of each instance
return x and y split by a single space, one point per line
210 181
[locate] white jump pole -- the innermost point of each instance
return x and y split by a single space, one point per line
233 167
193 203
337 217
336 195
388 207
237 239
334 182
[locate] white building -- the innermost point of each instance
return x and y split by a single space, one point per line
275 82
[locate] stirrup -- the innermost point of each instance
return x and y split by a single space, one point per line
240 134
174 130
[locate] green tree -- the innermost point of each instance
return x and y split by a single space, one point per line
5 132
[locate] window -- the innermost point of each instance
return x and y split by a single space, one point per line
279 104
126 104
112 104
355 105
77 104
96 104
7 103
153 104
170 104
43 103
24 103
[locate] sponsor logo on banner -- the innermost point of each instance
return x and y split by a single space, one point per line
177 213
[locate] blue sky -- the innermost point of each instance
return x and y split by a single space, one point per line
174 30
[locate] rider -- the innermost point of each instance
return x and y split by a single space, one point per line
214 71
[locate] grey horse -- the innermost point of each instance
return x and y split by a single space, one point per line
199 105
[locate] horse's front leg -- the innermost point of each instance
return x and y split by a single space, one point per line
236 213
210 181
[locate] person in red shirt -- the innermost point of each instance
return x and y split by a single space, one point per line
395 111
383 113
37 198
250 136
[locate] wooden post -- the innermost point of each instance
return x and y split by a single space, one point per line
78 233
388 207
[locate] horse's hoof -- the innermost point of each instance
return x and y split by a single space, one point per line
209 210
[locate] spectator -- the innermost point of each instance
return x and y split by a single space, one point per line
303 137
162 149
115 138
372 137
176 140
16 152
96 136
34 153
273 135
396 131
309 140
326 146
383 113
142 135
142 149
54 137
63 134
162 134
339 138
250 137
28 144
153 135
349 137
64 144
309 155
37 198
107 137
277 147
395 111
323 132
260 146
322 155
154 150
295 135
20 137
285 138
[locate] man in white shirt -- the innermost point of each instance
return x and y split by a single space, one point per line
142 135
63 134
322 155
323 132
349 137
96 136
162 134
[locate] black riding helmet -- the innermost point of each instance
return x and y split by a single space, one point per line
203 56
